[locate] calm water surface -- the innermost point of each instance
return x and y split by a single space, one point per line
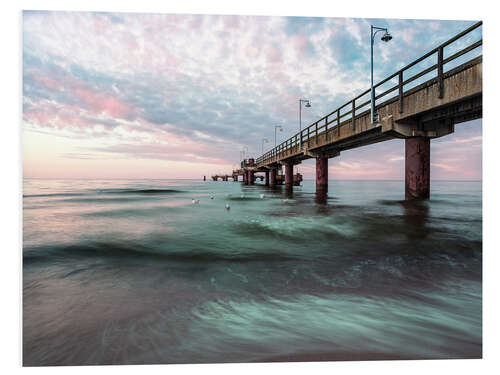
132 272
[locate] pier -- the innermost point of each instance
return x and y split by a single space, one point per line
416 114
273 177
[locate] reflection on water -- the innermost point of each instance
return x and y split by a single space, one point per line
130 272
416 214
321 197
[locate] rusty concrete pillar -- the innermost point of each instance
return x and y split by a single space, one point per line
245 177
289 175
417 168
251 177
322 175
267 178
274 172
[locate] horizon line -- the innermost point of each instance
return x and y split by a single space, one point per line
208 180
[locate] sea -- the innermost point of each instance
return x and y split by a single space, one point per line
192 271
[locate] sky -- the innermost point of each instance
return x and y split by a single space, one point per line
128 95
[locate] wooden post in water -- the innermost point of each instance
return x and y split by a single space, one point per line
417 168
274 172
289 175
321 175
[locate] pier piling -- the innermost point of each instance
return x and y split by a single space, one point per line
417 168
272 181
289 176
321 175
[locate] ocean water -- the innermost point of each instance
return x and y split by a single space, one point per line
132 272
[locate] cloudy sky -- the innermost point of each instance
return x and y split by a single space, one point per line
117 95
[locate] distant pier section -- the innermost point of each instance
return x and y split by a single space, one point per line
249 172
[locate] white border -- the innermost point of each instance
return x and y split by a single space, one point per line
11 172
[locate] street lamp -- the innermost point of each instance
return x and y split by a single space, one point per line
386 37
308 105
243 151
264 140
276 127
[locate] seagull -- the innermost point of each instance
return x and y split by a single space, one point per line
227 207
262 196
211 196
195 201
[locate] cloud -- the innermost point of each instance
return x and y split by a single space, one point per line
212 81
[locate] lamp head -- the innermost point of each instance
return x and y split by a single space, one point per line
386 37
308 105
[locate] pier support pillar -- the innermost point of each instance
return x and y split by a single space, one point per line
267 178
245 177
417 168
272 181
251 178
321 175
289 175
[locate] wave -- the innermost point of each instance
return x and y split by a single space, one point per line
52 195
275 328
138 191
244 198
106 191
153 191
122 251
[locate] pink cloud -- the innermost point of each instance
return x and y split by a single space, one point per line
101 24
274 55
232 22
300 43
100 103
47 82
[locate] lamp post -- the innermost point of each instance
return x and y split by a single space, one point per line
264 140
308 105
243 152
386 37
276 127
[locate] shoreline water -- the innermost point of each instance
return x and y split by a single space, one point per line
133 272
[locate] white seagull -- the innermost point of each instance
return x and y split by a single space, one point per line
227 207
